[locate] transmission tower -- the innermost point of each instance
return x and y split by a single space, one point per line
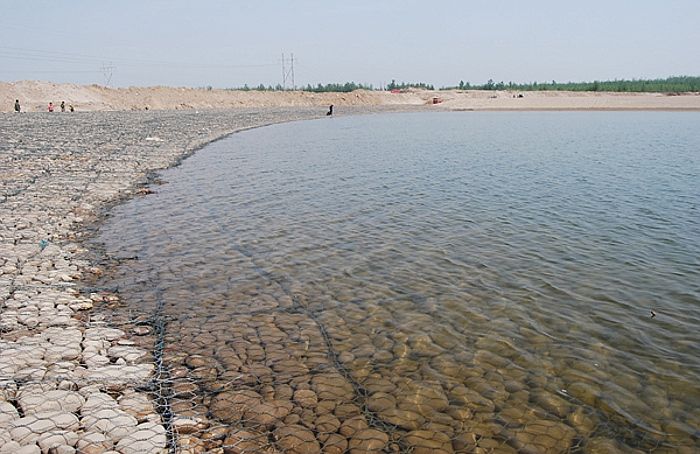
288 73
107 71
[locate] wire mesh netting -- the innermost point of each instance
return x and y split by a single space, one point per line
286 371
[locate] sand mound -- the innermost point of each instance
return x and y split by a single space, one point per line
35 96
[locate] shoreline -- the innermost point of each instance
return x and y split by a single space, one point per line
70 377
35 95
87 379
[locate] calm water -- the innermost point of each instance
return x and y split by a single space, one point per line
455 279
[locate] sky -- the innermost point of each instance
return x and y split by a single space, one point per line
229 43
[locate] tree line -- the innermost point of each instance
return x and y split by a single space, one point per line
667 85
673 84
336 87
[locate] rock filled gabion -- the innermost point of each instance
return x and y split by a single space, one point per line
70 380
245 365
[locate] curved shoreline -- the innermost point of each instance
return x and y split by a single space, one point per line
70 379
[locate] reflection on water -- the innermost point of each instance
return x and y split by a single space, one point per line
455 282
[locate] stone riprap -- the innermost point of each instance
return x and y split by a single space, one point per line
70 381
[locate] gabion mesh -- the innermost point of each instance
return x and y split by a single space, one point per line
82 372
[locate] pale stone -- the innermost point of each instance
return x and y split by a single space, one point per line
127 353
29 449
27 430
147 438
114 423
11 447
115 377
136 404
5 436
97 401
94 443
109 334
55 400
141 330
8 412
63 450
55 439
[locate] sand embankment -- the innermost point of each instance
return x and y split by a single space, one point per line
35 96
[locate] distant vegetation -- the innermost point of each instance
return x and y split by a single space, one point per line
320 88
670 84
342 88
405 85
339 87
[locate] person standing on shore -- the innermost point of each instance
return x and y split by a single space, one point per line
50 107
17 106
330 110
71 108
63 106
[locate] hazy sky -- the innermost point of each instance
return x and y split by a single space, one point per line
228 43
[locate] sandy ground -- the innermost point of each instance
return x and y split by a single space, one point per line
35 96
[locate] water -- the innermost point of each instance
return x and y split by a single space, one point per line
452 280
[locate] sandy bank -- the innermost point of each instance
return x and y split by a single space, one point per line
35 97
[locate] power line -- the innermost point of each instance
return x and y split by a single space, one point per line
91 71
70 57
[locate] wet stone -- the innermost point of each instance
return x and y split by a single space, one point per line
327 423
296 439
241 441
268 413
427 442
368 440
602 446
404 419
334 444
544 436
353 425
381 401
230 406
332 387
305 398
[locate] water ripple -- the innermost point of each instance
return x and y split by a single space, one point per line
508 261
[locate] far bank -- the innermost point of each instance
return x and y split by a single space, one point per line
34 96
